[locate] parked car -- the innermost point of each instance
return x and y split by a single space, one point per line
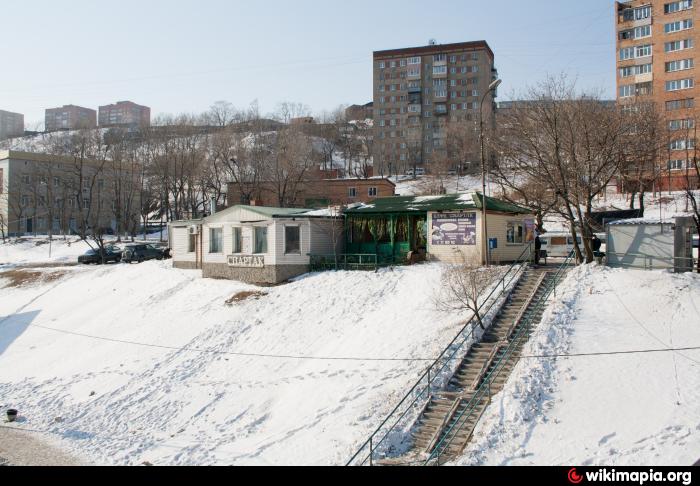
142 253
111 254
420 171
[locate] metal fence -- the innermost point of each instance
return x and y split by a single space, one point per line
350 261
651 262
390 436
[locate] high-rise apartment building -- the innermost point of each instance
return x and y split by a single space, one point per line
125 114
657 41
11 124
69 117
418 91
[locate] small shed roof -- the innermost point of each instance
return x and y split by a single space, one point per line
424 204
640 222
265 212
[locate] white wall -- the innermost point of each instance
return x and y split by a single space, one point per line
497 225
179 244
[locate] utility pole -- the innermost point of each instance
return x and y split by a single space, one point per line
484 226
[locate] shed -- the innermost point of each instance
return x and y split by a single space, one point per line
254 244
650 244
445 228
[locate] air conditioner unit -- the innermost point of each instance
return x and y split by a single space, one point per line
194 230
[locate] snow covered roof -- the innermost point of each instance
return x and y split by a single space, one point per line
424 204
639 222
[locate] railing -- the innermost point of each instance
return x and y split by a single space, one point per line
484 390
434 378
350 261
651 262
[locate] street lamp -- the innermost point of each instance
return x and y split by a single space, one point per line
484 227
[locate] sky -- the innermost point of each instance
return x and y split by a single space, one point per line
181 56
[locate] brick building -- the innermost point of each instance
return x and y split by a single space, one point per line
125 114
656 45
418 91
69 117
360 112
319 193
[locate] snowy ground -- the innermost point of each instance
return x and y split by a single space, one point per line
125 364
627 409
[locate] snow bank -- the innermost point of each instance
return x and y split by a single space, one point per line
119 402
623 410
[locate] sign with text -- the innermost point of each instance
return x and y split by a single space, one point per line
454 229
246 261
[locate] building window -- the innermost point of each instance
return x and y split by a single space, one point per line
680 84
260 240
687 124
352 192
24 201
216 240
414 60
678 45
372 192
292 240
192 243
678 26
237 245
677 6
682 145
515 233
680 65
438 70
676 164
680 104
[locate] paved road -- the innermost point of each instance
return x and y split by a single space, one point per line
23 448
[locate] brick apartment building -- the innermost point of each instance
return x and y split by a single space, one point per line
125 114
69 117
656 45
11 124
419 90
360 112
42 193
318 193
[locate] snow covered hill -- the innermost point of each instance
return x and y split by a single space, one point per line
621 409
125 364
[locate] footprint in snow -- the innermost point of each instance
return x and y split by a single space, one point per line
606 439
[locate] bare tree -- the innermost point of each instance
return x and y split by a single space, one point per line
462 287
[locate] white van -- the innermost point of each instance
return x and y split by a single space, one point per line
561 244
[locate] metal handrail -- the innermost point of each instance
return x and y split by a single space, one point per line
374 442
485 387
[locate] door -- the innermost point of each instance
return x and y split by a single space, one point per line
30 225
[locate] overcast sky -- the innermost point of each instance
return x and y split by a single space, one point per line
182 55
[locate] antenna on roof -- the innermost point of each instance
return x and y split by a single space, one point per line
432 42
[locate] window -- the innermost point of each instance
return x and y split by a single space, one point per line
515 233
372 192
192 244
680 104
237 245
687 124
626 53
642 51
676 164
678 6
440 58
292 240
216 240
680 65
56 182
24 201
679 84
678 26
641 32
682 145
26 179
260 240
438 70
678 45
352 192
413 61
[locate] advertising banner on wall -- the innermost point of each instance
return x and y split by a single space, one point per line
530 228
454 229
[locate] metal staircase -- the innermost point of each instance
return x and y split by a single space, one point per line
451 409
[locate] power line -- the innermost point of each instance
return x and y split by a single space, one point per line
610 353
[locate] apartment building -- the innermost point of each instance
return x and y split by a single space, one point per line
125 114
657 42
42 193
11 125
69 117
418 91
